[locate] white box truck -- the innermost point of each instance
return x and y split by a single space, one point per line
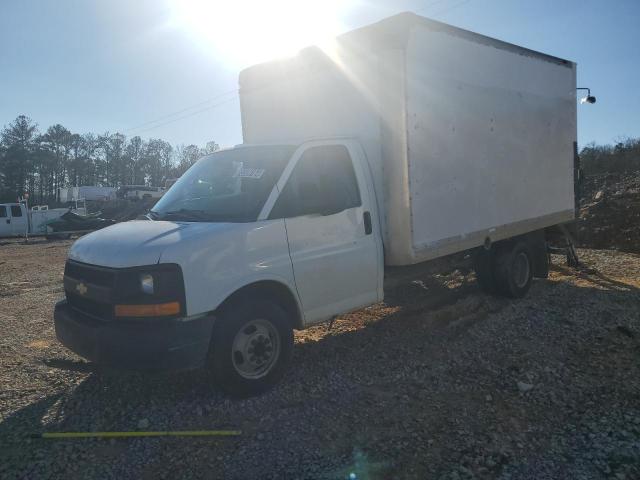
406 141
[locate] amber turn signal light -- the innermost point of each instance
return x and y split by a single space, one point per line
152 310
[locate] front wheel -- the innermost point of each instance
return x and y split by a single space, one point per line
251 346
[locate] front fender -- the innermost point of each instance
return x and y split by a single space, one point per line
217 265
275 286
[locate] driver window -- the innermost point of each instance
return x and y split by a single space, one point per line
322 182
3 211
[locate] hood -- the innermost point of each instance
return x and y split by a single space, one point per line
136 243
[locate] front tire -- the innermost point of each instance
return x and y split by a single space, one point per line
251 346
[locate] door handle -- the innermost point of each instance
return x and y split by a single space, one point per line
368 228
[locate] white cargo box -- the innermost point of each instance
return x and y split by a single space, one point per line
467 137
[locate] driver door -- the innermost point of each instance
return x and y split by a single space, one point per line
335 255
5 222
19 225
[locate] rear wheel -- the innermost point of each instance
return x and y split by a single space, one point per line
483 265
251 346
513 269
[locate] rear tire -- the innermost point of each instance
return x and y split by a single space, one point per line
251 346
483 265
513 269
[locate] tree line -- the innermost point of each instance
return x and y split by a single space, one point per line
40 163
623 156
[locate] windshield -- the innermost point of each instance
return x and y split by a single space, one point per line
228 186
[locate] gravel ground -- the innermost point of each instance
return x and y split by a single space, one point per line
441 381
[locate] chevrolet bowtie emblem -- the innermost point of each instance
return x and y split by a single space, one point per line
81 288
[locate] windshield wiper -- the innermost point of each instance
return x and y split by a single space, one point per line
151 215
186 214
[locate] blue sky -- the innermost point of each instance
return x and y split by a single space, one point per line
115 65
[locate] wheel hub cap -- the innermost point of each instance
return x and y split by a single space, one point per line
256 348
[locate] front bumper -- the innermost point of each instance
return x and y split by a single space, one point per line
141 344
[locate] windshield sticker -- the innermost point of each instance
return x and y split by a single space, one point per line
250 173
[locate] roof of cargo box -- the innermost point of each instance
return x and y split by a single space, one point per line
391 31
398 27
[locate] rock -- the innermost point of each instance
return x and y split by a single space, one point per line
143 423
599 194
488 398
465 471
524 387
625 331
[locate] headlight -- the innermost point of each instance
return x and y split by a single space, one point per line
146 283
151 290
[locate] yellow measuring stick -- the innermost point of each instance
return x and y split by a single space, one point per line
187 433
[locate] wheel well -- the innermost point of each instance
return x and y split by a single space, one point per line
277 291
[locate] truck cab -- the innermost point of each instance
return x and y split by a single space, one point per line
14 221
249 244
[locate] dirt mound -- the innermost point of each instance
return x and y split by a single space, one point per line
610 212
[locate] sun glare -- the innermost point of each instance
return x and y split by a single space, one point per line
244 32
